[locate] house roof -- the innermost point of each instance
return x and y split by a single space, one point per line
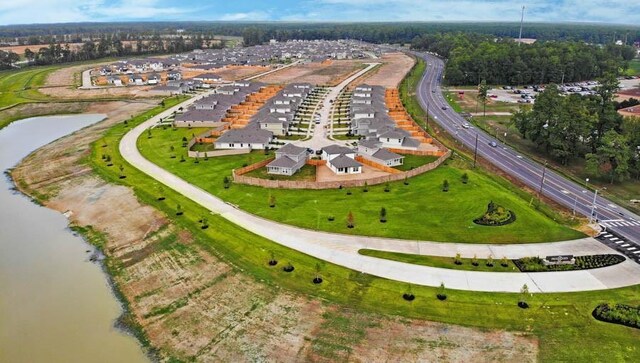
283 162
370 143
384 154
337 149
291 149
410 142
344 161
393 134
247 135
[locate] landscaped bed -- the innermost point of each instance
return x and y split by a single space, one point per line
618 314
535 264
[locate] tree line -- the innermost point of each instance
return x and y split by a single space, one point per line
569 128
108 46
375 32
475 57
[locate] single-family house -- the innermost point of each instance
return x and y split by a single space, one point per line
277 125
341 159
289 159
247 138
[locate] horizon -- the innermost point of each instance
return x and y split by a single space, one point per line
614 12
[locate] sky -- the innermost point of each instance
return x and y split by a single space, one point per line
60 11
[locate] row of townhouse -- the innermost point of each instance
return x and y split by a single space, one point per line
211 110
315 50
273 118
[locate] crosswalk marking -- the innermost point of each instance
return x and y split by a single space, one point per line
625 245
619 223
614 239
636 252
619 242
631 248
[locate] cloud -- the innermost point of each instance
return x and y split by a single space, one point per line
248 16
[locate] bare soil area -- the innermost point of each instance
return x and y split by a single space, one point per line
328 73
231 73
393 69
194 306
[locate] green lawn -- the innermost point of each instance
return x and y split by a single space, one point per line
634 68
307 173
562 322
414 161
443 262
20 86
442 216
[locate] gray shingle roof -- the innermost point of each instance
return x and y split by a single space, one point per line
283 162
291 149
247 135
344 161
384 154
337 149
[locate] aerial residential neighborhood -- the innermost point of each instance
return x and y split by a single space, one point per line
334 181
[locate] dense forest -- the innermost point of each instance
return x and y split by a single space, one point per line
475 57
589 128
375 32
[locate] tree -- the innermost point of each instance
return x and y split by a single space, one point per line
445 185
489 262
457 260
179 211
121 168
226 182
464 178
318 277
524 294
383 215
483 90
272 201
442 292
504 262
350 220
612 157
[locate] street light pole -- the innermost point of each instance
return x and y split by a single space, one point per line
593 206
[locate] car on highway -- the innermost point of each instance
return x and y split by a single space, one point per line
433 91
465 125
493 144
444 108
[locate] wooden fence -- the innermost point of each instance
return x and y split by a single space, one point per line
239 178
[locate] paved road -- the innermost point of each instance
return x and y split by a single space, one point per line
319 138
342 249
554 186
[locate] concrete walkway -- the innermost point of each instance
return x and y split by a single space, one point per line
342 249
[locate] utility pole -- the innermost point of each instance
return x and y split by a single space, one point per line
475 152
593 206
521 21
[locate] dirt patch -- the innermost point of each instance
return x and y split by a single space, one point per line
317 73
229 73
189 302
19 49
67 92
323 174
69 76
392 71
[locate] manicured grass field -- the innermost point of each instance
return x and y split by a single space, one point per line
562 322
443 262
307 173
20 86
419 210
414 161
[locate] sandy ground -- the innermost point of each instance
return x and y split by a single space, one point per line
331 73
389 75
190 303
19 49
231 73
323 173
62 84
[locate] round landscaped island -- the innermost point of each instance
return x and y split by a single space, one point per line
496 215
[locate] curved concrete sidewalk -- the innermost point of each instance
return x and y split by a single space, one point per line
342 249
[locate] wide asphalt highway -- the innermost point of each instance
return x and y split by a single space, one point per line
554 186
